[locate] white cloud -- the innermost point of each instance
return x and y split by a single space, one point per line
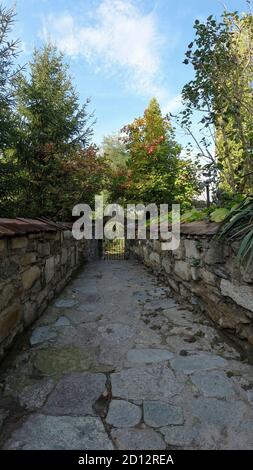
173 105
119 39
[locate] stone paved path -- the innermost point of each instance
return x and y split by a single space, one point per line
115 363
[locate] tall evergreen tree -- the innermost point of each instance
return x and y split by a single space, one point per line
9 168
54 131
8 52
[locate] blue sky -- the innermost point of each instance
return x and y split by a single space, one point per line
120 52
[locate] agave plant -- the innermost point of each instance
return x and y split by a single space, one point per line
239 225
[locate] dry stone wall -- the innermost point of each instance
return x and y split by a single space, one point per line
206 274
34 267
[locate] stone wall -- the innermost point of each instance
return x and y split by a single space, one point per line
205 273
36 261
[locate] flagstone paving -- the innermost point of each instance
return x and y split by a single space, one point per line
115 363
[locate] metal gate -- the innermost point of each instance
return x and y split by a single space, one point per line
114 249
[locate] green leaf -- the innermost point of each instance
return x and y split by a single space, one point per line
218 215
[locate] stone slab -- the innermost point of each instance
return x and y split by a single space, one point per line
181 436
148 356
219 413
240 294
213 384
146 383
54 361
34 396
137 439
123 414
115 333
41 432
42 334
179 316
158 414
62 321
76 394
190 364
66 303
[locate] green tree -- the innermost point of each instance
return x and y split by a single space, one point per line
8 52
114 150
156 172
54 134
152 156
10 175
221 55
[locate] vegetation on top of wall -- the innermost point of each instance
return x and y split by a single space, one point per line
238 224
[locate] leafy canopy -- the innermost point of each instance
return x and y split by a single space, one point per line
155 173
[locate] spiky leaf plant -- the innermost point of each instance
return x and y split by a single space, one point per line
239 225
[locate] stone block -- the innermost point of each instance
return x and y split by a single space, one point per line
240 294
229 318
28 258
191 250
67 234
8 268
42 295
3 245
44 249
157 246
34 236
40 432
214 253
9 318
195 273
75 393
206 292
123 414
137 439
247 275
49 269
57 260
183 270
64 256
73 259
226 315
184 292
29 313
51 236
179 253
246 332
157 414
221 272
19 242
207 276
166 264
173 284
6 294
154 259
30 276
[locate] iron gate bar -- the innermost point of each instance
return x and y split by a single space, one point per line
114 249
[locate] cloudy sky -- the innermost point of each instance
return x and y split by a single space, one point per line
121 52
